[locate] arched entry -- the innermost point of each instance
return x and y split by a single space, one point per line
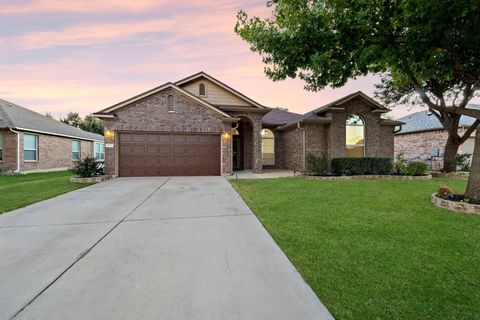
242 145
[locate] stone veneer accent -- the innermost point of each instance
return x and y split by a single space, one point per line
151 115
455 206
53 152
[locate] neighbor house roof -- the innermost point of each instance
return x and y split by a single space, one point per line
280 117
426 121
17 117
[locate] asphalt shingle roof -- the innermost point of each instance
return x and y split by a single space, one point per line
280 117
425 121
17 117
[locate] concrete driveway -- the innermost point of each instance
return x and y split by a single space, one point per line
147 248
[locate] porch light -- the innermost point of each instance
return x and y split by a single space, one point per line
226 136
108 134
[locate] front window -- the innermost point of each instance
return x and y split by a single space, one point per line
30 147
1 146
355 137
99 151
170 103
75 150
268 147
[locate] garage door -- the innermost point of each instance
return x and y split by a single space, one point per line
156 154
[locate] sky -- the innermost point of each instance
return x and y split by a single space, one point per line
58 56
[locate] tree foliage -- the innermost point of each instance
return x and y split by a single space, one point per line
72 119
92 124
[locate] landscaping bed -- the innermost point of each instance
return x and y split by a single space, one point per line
369 176
374 249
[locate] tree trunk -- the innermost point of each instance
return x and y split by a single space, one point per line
450 155
473 186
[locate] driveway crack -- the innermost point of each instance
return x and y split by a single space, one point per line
83 254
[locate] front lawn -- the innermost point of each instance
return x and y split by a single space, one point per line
374 249
18 191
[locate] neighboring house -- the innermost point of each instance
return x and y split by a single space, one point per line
423 138
201 126
32 142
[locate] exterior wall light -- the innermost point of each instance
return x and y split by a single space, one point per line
109 134
226 136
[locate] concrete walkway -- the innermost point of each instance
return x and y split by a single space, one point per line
147 248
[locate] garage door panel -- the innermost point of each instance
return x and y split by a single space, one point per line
160 154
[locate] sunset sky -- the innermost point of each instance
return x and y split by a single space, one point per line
83 56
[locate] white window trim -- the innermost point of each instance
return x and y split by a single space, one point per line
272 139
79 151
36 144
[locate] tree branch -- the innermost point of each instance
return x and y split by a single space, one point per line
469 131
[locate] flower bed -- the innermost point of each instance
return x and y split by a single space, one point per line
95 179
370 176
455 205
451 175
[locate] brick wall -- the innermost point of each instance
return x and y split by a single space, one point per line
9 150
151 114
291 150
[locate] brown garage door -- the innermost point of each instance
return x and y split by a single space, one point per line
156 154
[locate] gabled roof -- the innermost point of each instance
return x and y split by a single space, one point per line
17 117
280 117
339 102
426 121
202 74
106 113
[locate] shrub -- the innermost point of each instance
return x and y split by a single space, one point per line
84 168
416 168
463 161
317 165
358 166
400 165
444 191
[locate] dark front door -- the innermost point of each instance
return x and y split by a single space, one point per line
167 154
236 153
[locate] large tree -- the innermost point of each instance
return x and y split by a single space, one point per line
92 124
424 51
72 119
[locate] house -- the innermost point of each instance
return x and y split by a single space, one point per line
423 138
201 126
31 142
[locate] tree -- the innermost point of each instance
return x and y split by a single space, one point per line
427 51
92 124
72 119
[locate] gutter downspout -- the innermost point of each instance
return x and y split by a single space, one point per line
18 149
304 143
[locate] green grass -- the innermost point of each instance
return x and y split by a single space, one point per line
17 191
374 249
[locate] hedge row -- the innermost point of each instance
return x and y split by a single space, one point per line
359 166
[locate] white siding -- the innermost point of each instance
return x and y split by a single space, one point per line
215 94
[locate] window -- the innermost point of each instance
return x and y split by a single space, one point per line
268 147
99 151
170 103
75 150
30 147
1 146
355 137
202 89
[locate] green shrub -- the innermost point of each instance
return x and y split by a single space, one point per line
416 168
317 165
359 166
84 168
400 165
463 161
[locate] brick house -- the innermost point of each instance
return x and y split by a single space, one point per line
201 126
422 138
31 142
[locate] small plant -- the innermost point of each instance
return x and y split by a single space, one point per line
416 168
444 191
317 165
85 167
400 165
463 161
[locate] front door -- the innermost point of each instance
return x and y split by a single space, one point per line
236 152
